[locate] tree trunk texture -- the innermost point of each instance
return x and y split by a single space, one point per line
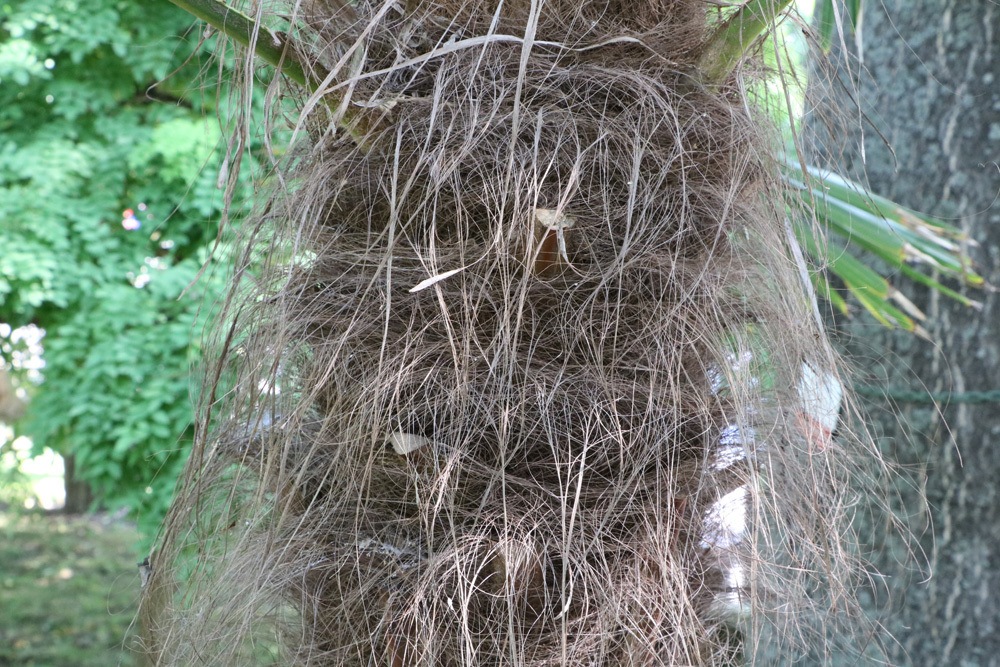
79 495
931 94
11 406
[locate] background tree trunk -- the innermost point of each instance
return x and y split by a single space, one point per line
11 406
932 88
79 495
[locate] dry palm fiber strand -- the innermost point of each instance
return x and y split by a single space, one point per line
517 382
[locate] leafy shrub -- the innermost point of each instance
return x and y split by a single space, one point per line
108 197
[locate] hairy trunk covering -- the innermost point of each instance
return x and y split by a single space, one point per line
581 445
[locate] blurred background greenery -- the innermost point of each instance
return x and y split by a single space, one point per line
111 149
110 165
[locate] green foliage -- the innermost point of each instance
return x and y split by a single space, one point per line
117 388
109 204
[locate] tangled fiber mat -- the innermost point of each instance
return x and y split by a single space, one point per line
523 377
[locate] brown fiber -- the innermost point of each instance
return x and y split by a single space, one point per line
539 458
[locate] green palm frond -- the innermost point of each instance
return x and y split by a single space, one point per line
916 246
735 35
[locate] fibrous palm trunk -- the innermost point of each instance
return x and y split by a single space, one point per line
523 389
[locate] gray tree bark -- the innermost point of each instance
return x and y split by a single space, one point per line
932 90
11 407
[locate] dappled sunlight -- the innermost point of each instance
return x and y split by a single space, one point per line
39 478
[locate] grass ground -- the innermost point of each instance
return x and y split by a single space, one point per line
69 587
